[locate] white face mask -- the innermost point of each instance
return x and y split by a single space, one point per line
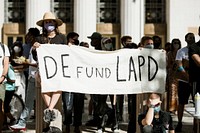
49 27
17 49
108 46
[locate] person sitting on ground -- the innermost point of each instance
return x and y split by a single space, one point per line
154 120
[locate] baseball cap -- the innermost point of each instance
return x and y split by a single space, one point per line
95 35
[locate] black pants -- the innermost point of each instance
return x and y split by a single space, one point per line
73 101
132 113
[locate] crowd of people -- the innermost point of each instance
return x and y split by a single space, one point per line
181 81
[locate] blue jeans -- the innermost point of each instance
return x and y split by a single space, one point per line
29 102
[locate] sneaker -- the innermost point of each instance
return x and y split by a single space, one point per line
53 115
114 126
116 131
99 131
49 115
179 127
18 127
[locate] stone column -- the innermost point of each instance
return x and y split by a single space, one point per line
35 10
84 18
132 19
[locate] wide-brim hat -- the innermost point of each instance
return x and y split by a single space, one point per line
49 16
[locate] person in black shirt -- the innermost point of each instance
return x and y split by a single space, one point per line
194 63
154 120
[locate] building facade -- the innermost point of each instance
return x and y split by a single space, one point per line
113 18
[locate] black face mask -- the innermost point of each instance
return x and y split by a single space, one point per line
76 42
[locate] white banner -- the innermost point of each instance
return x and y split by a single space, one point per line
79 69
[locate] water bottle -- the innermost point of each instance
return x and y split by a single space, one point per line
197 104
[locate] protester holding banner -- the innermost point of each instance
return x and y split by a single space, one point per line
111 113
146 42
73 101
99 101
50 35
126 42
96 43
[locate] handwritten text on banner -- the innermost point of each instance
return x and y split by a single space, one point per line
79 69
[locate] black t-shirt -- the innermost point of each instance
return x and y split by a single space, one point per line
58 39
194 70
164 122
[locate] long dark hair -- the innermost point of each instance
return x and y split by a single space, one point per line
173 42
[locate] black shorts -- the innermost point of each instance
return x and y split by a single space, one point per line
184 91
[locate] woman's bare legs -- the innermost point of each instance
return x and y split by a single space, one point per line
47 98
54 99
51 99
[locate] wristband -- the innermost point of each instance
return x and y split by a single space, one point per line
151 106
